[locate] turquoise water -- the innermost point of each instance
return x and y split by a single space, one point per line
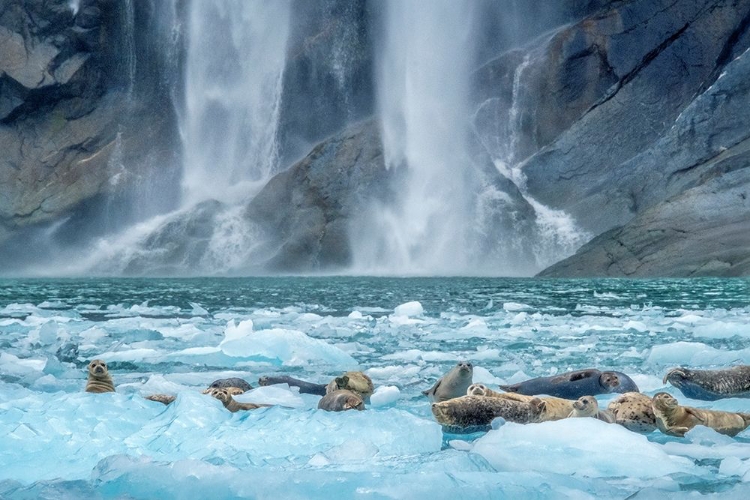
177 335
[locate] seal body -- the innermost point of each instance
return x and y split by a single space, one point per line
161 398
573 385
304 387
341 400
710 385
479 411
99 379
352 381
453 384
555 408
231 382
232 405
588 406
633 411
676 420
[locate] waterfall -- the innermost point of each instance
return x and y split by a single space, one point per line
423 88
235 64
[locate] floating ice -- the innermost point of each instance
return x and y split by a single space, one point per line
695 354
409 309
516 306
385 395
721 330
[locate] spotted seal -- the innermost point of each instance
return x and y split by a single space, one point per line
477 412
341 400
99 379
223 383
676 420
633 411
555 408
588 406
304 387
233 391
453 384
232 405
165 399
710 385
352 381
573 385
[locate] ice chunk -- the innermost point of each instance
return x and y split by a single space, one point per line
721 330
516 306
695 354
385 395
280 394
483 376
355 315
409 309
577 446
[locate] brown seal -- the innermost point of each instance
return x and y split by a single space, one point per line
676 420
352 381
161 398
99 379
453 384
341 400
232 405
233 391
554 408
588 406
633 411
478 411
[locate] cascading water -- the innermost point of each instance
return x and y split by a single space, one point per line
235 65
423 89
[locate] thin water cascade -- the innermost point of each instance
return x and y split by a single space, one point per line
235 65
423 88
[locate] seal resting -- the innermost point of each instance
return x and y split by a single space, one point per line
676 420
161 398
633 411
588 406
573 385
479 411
99 379
710 385
554 409
304 387
453 384
352 381
341 400
232 405
233 391
223 383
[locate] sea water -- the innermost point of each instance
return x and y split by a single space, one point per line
176 336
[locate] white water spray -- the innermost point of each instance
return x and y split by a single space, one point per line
236 59
423 89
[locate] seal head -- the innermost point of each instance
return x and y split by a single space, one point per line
99 379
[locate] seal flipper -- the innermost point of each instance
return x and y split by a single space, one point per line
579 375
690 411
433 389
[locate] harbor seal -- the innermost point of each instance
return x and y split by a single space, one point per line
453 384
588 406
99 379
573 385
554 409
477 412
223 383
161 398
233 391
341 400
352 381
232 405
304 387
633 411
676 420
710 385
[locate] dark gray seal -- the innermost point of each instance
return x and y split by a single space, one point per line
231 382
573 385
453 384
304 387
341 400
710 385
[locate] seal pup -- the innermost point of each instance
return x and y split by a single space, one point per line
99 379
573 385
710 385
588 406
232 405
341 400
223 383
352 381
304 387
676 420
453 384
162 398
479 411
555 408
633 411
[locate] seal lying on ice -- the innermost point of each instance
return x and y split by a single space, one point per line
710 385
633 411
554 408
353 381
588 406
304 387
573 385
223 383
676 420
453 384
341 400
477 412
